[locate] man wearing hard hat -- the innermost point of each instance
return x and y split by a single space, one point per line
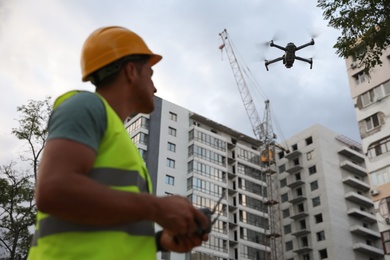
93 190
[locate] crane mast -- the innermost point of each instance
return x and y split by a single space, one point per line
263 132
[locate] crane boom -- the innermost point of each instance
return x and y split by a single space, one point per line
246 97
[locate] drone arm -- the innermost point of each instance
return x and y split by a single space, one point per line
272 61
272 44
305 45
310 61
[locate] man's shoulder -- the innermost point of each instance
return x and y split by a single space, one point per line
81 97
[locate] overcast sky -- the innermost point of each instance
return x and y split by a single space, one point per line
40 43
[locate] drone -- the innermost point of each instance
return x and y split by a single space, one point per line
289 54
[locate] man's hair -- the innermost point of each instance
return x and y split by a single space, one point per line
106 75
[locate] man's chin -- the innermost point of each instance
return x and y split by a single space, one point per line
147 110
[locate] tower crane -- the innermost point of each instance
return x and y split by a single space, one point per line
263 131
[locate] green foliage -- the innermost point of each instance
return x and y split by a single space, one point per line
17 211
32 129
365 28
17 206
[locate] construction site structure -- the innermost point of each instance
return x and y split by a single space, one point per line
263 131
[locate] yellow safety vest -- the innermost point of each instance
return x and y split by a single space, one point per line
119 166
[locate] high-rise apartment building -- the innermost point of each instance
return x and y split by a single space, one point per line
371 98
327 212
190 155
326 209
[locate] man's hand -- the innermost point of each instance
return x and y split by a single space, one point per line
179 217
181 243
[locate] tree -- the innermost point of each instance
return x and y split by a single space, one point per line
17 212
32 129
365 29
17 206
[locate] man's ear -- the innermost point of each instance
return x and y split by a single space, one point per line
131 71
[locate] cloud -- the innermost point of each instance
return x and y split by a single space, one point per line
41 41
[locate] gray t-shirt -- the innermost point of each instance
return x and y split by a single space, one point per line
81 118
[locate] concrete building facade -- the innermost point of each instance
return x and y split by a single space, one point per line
190 155
326 208
371 98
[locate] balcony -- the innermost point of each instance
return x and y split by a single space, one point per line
231 160
295 184
299 215
355 183
294 169
292 155
365 232
297 199
351 154
304 249
231 175
359 199
301 232
353 168
362 215
367 249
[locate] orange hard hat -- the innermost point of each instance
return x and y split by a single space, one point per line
108 44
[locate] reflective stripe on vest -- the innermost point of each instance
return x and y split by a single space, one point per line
119 178
106 176
52 225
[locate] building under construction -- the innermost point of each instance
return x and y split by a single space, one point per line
191 155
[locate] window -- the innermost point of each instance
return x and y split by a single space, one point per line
375 94
323 254
140 138
302 224
289 246
294 147
312 169
318 218
284 197
143 153
169 180
360 77
287 229
301 208
372 122
310 155
380 176
314 185
173 116
380 147
282 168
299 192
304 242
286 213
281 154
171 147
296 161
283 182
386 241
170 163
309 140
172 131
316 201
384 206
320 235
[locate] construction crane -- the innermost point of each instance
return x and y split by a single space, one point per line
263 131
